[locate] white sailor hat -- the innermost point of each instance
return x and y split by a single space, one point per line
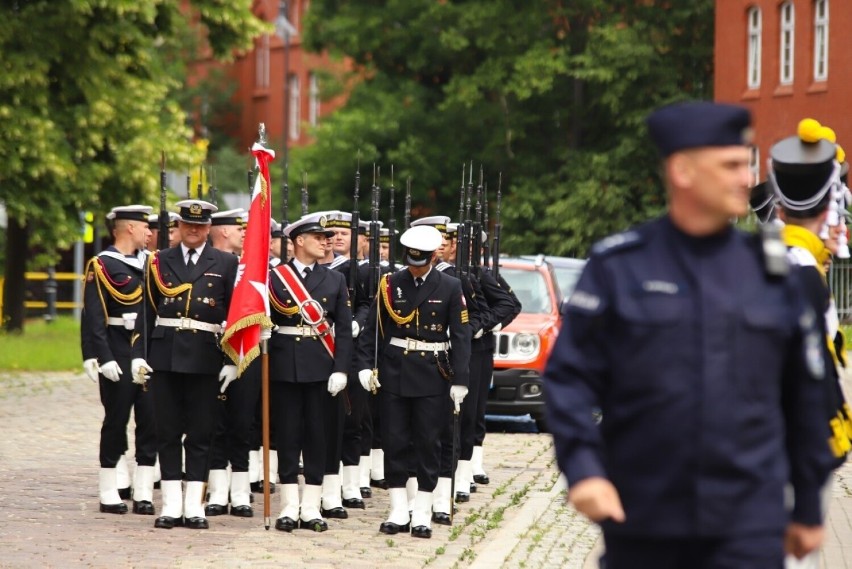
153 221
367 228
131 212
275 229
196 211
237 216
420 242
439 222
337 218
173 219
310 223
452 230
384 234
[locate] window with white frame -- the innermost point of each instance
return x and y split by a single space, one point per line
754 39
261 72
295 108
788 27
820 40
313 100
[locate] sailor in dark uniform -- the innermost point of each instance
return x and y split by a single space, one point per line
189 289
111 295
694 340
418 309
309 357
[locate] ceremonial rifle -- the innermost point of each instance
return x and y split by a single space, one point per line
200 187
476 237
163 235
353 242
391 228
460 226
406 223
486 248
497 227
304 193
374 267
211 177
285 205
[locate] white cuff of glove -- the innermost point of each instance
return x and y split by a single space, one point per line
457 394
498 327
479 333
226 376
265 333
336 382
365 376
111 370
356 329
90 366
140 369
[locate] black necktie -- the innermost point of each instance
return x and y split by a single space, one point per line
190 261
307 271
418 281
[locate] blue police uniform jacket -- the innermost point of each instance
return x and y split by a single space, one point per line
707 371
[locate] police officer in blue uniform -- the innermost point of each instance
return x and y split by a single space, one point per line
696 344
188 289
112 294
417 311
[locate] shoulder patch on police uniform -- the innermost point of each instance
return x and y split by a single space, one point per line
617 242
584 301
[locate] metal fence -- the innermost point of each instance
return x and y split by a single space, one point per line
840 281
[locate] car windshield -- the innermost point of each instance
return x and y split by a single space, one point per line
530 288
567 278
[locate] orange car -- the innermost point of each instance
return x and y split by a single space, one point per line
522 348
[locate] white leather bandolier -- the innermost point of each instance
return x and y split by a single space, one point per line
188 324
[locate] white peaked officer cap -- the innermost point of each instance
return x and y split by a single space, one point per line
310 223
420 242
196 211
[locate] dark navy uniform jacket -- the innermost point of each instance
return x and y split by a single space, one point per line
709 376
113 288
301 359
201 293
438 314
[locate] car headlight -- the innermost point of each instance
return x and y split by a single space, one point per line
526 344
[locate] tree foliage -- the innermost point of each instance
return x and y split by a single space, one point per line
89 99
553 94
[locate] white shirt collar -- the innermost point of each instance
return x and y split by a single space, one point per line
301 268
198 250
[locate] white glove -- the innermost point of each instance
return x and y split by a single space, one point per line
498 327
336 382
265 333
356 329
457 394
365 376
226 376
479 334
111 370
91 368
140 369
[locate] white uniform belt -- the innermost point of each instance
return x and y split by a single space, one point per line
115 321
188 324
410 344
296 331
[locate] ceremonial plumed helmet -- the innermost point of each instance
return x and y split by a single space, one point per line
419 243
697 124
196 211
804 169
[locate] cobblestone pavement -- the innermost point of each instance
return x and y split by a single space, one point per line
50 518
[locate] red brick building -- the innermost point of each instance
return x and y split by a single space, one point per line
261 93
786 60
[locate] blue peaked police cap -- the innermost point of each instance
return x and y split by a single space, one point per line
696 124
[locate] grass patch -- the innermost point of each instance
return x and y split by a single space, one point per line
42 346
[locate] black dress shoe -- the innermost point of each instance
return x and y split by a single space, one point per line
379 483
157 485
143 507
462 497
285 524
120 508
391 528
356 503
167 522
242 511
196 523
421 531
366 492
481 479
472 488
215 510
334 513
441 518
124 493
258 487
316 525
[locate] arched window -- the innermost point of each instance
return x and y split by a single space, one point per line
788 28
313 99
820 40
295 126
754 40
